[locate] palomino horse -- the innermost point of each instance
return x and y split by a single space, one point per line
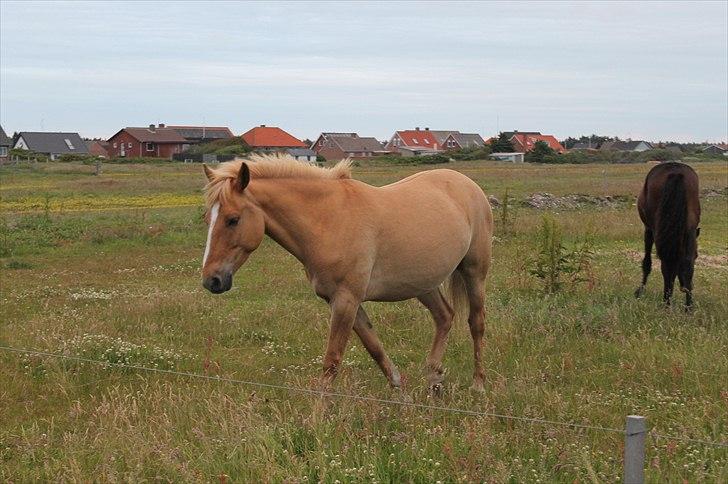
669 207
358 243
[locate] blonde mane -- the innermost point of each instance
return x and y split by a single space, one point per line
267 166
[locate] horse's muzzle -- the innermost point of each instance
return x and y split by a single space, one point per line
218 283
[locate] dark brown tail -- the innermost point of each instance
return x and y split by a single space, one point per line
672 215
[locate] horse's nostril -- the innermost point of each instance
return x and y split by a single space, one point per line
216 284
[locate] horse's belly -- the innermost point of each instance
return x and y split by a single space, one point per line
407 273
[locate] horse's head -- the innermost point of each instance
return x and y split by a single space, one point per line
236 228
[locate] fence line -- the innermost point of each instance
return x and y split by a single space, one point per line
323 393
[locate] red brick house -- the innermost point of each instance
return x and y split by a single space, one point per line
337 146
271 138
156 142
525 142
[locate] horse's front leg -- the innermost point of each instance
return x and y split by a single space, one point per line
343 313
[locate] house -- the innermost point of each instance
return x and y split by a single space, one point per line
97 147
5 145
717 149
414 142
512 157
637 145
459 141
525 142
302 154
271 138
53 145
203 134
584 145
337 146
154 141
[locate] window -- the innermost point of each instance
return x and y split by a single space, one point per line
427 141
414 140
3 151
69 144
128 145
150 146
114 145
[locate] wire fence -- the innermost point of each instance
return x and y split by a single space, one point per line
364 398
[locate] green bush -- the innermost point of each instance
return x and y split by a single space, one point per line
73 157
540 152
136 160
228 146
432 159
470 154
554 264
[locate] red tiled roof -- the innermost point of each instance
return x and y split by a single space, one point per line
420 138
528 141
158 135
271 137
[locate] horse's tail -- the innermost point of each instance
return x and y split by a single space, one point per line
672 216
457 294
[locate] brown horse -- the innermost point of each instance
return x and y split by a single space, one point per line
358 243
669 207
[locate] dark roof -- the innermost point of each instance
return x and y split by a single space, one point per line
156 135
301 152
203 132
468 140
510 134
357 145
441 135
4 139
54 142
623 145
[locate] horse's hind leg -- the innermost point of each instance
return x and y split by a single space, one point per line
685 276
475 286
443 315
370 340
668 276
646 262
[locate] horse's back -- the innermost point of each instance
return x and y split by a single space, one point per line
650 197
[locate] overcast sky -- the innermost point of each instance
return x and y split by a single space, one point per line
651 70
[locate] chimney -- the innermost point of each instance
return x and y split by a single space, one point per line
417 128
151 127
262 125
161 125
427 129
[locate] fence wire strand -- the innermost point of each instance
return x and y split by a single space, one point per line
364 398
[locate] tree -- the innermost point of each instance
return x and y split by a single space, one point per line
501 144
540 151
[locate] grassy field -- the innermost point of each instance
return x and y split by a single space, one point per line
108 268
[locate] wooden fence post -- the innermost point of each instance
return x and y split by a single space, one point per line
634 449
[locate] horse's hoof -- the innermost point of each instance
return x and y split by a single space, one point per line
639 292
478 386
395 380
436 389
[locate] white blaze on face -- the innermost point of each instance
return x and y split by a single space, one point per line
213 219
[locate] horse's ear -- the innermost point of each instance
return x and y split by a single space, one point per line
208 172
243 177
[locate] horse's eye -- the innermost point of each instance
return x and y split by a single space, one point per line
232 222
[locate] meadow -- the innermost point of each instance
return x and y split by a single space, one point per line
108 268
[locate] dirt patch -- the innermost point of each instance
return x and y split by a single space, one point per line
548 201
712 261
714 192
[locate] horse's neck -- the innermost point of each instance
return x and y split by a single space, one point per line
293 211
